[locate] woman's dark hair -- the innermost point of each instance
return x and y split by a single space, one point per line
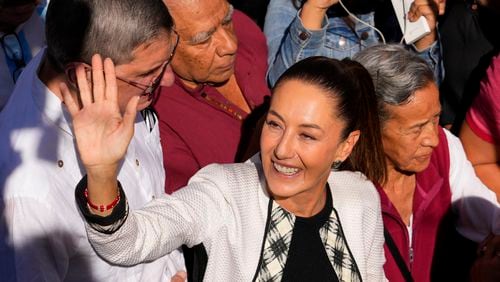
350 85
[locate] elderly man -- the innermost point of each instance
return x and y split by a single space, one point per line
428 174
42 233
220 67
21 37
209 114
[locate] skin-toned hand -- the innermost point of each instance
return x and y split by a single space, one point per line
314 11
102 133
429 9
487 265
180 276
441 6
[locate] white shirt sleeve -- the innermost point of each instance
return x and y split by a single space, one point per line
476 206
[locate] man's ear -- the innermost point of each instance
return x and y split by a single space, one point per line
345 148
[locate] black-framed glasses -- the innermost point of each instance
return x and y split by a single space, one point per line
149 90
13 50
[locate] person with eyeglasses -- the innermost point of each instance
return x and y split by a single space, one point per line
42 234
21 37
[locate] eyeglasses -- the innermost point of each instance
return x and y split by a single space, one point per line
149 90
13 50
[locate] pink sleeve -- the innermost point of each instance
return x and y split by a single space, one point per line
483 116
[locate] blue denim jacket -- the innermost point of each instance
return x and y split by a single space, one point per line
289 41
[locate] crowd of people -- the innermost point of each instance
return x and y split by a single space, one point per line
186 140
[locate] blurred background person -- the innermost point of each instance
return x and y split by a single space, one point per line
297 29
480 133
21 37
480 136
470 39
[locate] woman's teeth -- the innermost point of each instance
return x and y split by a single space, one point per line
285 170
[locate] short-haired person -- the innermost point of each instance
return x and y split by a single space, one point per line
21 38
480 136
42 234
220 66
428 174
327 223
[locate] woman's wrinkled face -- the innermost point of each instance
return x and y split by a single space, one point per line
410 135
300 140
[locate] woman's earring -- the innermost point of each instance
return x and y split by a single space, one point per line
336 164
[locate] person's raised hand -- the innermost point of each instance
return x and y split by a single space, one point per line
102 133
314 11
429 9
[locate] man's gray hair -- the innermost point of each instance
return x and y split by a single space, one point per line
77 29
396 73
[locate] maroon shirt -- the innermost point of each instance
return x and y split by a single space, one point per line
199 126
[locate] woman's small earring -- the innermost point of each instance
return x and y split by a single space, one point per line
336 164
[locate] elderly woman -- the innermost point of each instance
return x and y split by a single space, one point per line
282 215
428 174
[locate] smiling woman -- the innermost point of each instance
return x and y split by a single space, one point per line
313 124
322 115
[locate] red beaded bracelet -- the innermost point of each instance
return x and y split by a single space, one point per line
102 208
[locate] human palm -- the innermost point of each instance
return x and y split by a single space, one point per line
102 133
